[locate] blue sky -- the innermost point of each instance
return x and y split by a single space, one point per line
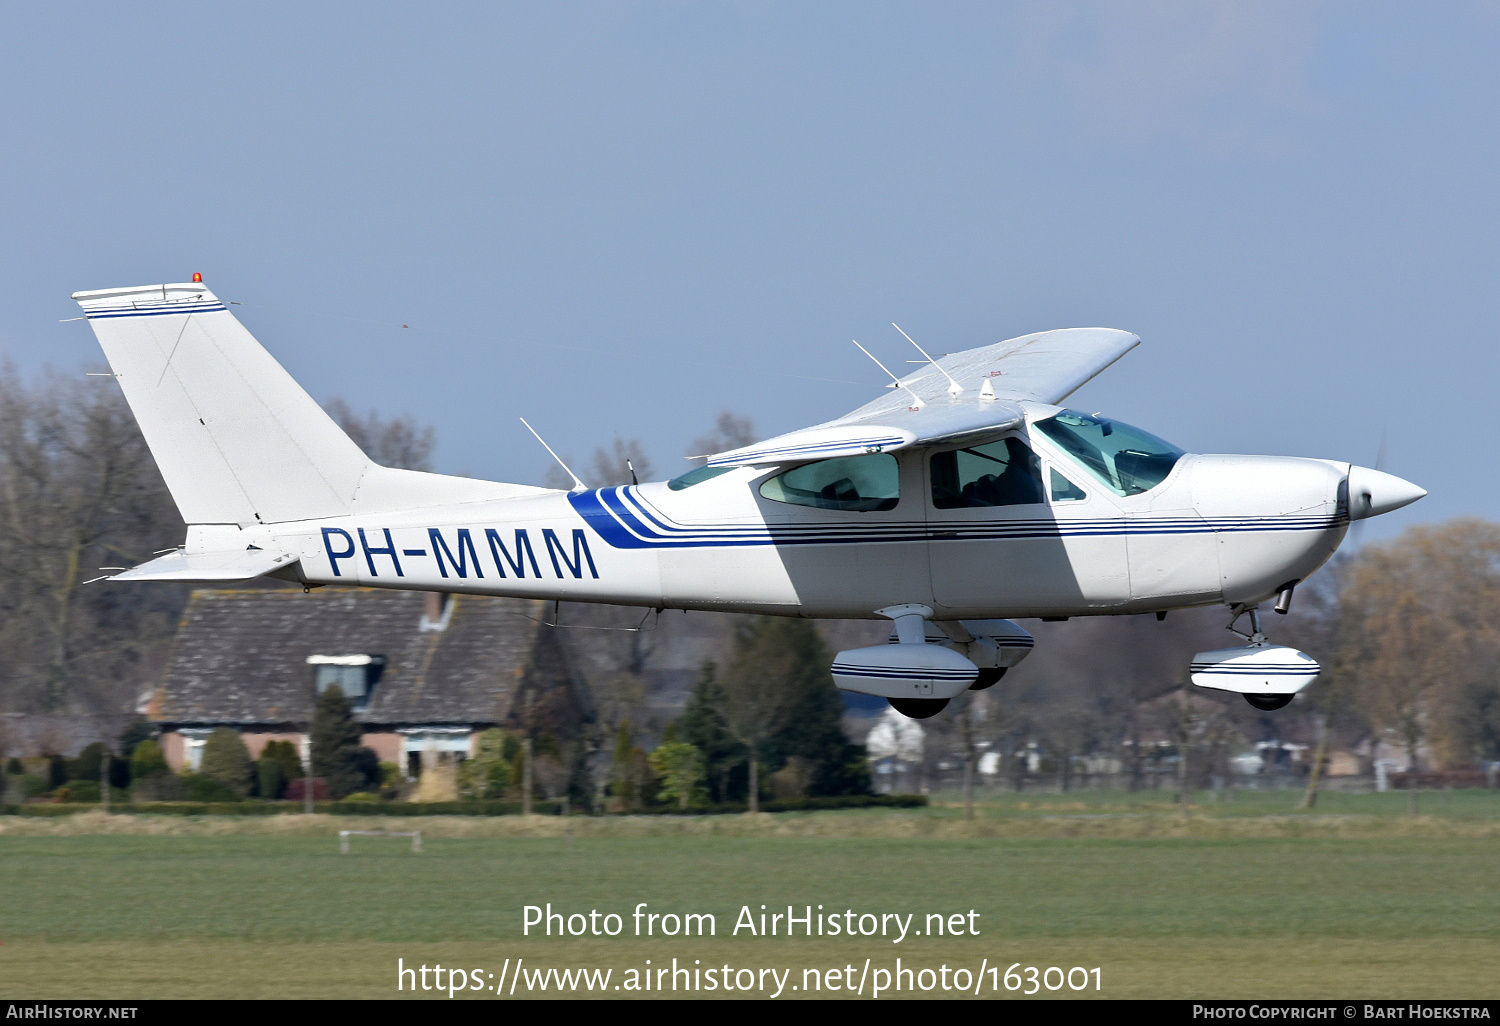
618 219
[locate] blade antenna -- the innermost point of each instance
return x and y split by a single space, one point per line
578 485
954 388
895 381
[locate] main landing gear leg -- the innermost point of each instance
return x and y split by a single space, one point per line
917 678
911 629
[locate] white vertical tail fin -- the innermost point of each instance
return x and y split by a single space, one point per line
238 441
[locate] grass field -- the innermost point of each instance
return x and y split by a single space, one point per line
1237 899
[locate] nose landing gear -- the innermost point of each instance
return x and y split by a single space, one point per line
1268 676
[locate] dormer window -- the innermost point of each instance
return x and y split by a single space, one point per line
354 675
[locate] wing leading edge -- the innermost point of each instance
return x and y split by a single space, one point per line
1045 367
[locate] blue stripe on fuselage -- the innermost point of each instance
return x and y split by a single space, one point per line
624 520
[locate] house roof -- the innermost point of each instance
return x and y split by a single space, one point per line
242 656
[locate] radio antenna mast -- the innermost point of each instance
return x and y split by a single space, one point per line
895 381
954 388
578 485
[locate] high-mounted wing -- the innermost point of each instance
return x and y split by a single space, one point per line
1045 367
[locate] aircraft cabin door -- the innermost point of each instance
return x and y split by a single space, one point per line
1012 534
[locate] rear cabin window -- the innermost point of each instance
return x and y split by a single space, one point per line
696 476
864 484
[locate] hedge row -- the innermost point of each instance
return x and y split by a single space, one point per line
460 808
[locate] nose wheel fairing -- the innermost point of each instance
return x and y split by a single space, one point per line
1259 670
1268 676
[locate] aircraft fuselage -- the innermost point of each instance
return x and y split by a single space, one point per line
1218 529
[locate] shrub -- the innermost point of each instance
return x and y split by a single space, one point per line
270 779
285 753
296 791
488 774
227 760
147 761
78 791
390 774
203 788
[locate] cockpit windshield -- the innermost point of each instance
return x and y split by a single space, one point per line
1124 459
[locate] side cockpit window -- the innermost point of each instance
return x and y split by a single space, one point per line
861 483
1064 490
1003 473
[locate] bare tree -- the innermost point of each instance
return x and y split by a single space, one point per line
730 431
78 491
390 441
557 477
623 463
1422 630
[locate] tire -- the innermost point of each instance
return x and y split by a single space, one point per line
1269 703
988 679
918 708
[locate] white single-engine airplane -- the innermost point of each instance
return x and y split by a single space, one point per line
962 498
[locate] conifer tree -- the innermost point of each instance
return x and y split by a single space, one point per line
337 755
762 686
702 726
779 701
814 726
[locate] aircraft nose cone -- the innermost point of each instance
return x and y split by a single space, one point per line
1372 492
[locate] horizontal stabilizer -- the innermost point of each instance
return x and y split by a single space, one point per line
210 567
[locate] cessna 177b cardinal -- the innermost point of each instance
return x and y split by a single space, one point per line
962 498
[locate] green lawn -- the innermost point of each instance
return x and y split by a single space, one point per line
1462 804
265 914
